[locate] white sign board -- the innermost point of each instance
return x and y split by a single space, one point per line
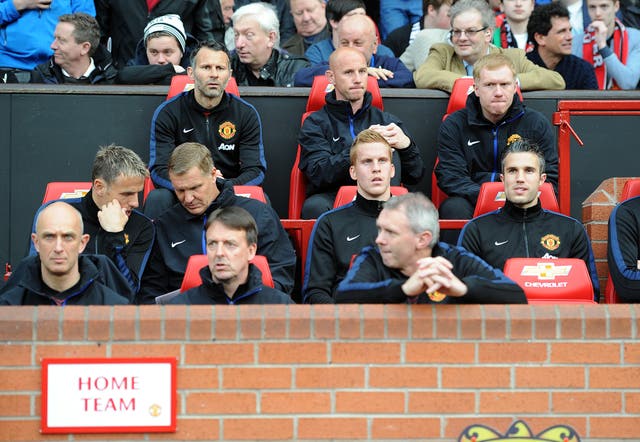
109 395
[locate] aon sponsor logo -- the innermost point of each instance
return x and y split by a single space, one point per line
226 146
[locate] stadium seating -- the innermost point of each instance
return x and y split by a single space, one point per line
196 262
492 197
346 194
56 190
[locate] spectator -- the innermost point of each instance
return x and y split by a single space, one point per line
227 12
341 233
58 275
512 31
612 48
311 25
550 30
472 24
522 228
578 15
77 55
229 127
433 28
327 135
179 229
123 21
472 139
623 250
231 237
163 52
336 10
396 14
287 27
358 32
27 30
409 265
257 61
109 213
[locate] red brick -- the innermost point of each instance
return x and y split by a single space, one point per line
495 322
455 426
422 321
295 403
19 380
471 323
74 324
521 322
125 326
600 197
374 320
143 350
550 377
200 323
192 429
324 321
403 377
14 354
99 323
597 212
349 322
25 430
330 377
397 318
176 322
366 353
292 353
614 377
251 321
357 402
577 402
511 352
441 402
595 322
226 322
48 323
599 248
539 424
221 403
275 321
597 231
513 402
447 317
15 405
405 428
476 377
70 351
150 322
620 322
440 352
332 428
254 429
631 353
632 403
546 321
258 377
197 378
609 428
219 354
299 322
571 325
585 353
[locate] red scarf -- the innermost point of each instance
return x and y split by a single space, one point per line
620 48
507 39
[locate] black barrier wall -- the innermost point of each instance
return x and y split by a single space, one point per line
52 133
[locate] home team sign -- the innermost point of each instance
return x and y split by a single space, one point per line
109 395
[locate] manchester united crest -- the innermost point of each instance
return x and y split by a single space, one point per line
550 241
227 130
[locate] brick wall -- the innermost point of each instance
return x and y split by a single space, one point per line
595 216
348 372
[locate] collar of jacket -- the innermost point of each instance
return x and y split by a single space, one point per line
520 214
343 107
33 278
224 103
215 290
370 207
476 118
225 198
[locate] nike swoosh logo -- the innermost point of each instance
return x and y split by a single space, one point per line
471 143
351 238
501 243
335 139
186 131
173 244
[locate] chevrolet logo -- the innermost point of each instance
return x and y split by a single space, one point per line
545 270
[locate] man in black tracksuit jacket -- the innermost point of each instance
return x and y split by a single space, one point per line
409 265
623 250
180 235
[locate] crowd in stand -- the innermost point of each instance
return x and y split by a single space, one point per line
379 248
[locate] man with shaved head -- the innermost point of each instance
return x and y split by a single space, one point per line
59 274
326 135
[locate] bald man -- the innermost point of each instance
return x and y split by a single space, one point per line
59 275
326 135
359 32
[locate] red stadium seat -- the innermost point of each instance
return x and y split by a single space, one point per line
552 280
182 83
65 189
346 194
196 262
492 197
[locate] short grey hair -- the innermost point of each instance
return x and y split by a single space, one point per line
114 161
420 211
488 18
264 14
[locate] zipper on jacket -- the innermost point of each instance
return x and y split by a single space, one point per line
524 232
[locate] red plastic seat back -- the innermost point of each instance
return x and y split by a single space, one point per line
551 279
321 86
255 192
192 277
56 190
631 189
346 194
182 83
492 197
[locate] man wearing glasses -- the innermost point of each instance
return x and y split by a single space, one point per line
472 23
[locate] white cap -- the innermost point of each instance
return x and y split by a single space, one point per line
170 23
